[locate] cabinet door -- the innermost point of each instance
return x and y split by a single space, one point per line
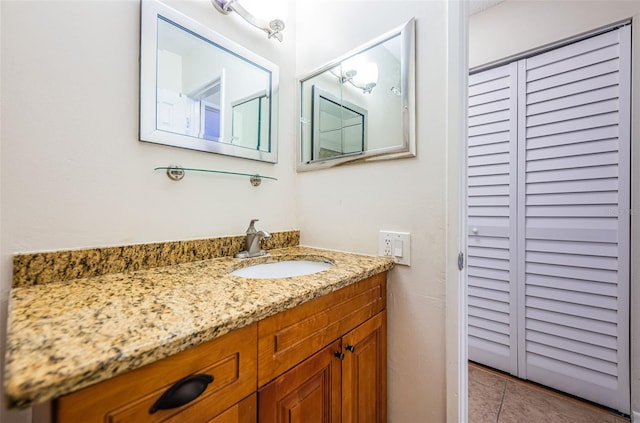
364 372
308 393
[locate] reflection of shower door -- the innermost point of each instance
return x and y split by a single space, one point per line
339 126
548 215
250 122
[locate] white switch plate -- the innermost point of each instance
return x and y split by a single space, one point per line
387 243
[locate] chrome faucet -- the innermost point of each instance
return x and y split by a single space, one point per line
252 242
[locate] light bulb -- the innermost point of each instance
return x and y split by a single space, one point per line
267 10
367 74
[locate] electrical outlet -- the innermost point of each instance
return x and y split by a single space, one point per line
396 245
387 246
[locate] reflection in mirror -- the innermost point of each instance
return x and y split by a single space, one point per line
361 105
339 126
200 91
250 126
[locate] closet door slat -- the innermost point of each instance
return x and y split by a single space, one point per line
491 218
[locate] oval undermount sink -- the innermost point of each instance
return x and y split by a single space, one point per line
281 269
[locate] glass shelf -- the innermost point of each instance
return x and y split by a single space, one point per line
176 173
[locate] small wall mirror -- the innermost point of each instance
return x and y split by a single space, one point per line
201 91
360 106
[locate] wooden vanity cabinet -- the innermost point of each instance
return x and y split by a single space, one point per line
229 398
322 361
343 382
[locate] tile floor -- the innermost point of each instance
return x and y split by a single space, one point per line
498 398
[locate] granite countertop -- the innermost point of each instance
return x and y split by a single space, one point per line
65 336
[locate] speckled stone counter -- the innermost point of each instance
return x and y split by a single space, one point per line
67 335
59 266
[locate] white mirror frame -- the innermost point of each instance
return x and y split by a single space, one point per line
149 12
407 148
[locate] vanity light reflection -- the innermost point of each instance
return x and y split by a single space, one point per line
362 75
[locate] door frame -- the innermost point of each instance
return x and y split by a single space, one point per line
456 203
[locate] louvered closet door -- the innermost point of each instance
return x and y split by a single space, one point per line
491 262
573 218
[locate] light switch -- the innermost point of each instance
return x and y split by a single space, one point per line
397 248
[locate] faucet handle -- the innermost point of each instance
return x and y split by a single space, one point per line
252 229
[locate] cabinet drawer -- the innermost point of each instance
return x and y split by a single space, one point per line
230 359
289 337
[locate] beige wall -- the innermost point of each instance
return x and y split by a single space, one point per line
343 208
517 26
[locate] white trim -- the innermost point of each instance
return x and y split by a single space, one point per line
456 194
635 416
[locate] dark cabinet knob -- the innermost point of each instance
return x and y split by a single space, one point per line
350 348
182 392
339 354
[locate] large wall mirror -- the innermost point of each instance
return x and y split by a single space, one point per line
360 106
201 91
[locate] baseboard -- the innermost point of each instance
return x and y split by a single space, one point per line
635 416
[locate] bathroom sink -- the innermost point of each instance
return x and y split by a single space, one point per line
281 269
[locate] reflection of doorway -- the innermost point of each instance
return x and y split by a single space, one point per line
208 114
210 128
548 234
